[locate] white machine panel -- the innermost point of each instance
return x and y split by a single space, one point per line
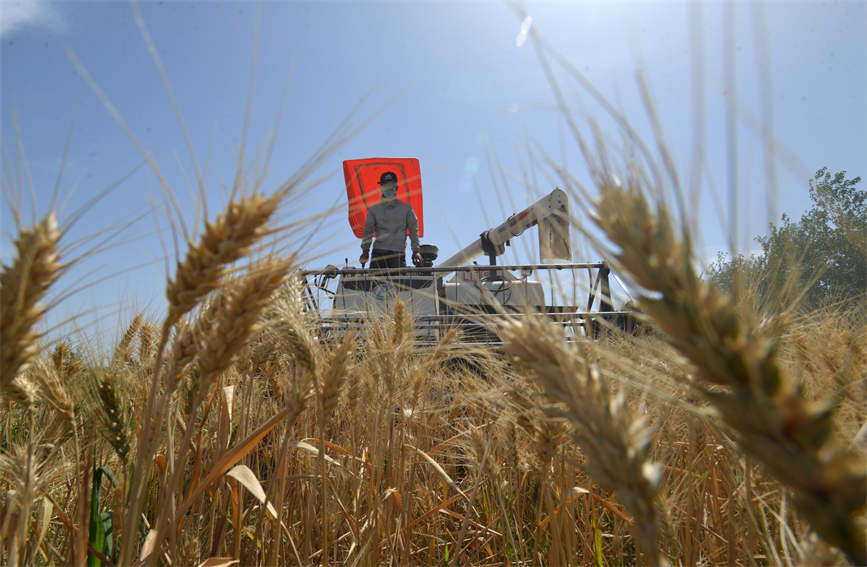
519 294
366 296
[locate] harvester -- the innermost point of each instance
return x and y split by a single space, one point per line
458 292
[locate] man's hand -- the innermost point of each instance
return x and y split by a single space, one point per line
416 258
364 257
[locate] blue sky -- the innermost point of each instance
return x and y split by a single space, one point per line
445 82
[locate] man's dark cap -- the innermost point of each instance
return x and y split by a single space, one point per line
388 176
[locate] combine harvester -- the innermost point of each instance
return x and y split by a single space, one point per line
457 292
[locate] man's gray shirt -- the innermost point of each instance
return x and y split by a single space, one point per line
390 221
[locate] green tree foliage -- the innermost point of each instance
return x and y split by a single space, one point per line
818 261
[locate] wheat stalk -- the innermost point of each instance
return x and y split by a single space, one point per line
223 242
65 364
738 369
28 472
184 348
113 414
236 311
430 362
616 443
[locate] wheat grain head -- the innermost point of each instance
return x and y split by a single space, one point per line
224 241
22 286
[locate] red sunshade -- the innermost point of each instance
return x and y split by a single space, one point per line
362 187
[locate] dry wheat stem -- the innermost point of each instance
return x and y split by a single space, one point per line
615 442
329 388
28 471
238 308
223 242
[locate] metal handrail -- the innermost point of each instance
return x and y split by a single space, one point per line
412 270
473 316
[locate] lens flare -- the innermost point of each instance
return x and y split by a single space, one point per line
524 31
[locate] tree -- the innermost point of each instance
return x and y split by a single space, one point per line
817 261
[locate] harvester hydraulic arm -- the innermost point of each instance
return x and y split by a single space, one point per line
492 242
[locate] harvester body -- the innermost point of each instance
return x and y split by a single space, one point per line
457 292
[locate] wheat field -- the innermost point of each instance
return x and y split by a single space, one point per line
232 431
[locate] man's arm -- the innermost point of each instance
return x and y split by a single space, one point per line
369 229
412 225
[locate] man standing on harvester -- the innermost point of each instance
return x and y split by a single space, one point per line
389 220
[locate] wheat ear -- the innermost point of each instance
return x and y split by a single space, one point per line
51 382
224 241
738 369
334 374
300 347
22 286
146 343
116 426
238 315
121 351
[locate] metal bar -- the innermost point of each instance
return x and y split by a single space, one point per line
450 269
311 299
474 316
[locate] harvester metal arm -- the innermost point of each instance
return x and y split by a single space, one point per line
491 243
